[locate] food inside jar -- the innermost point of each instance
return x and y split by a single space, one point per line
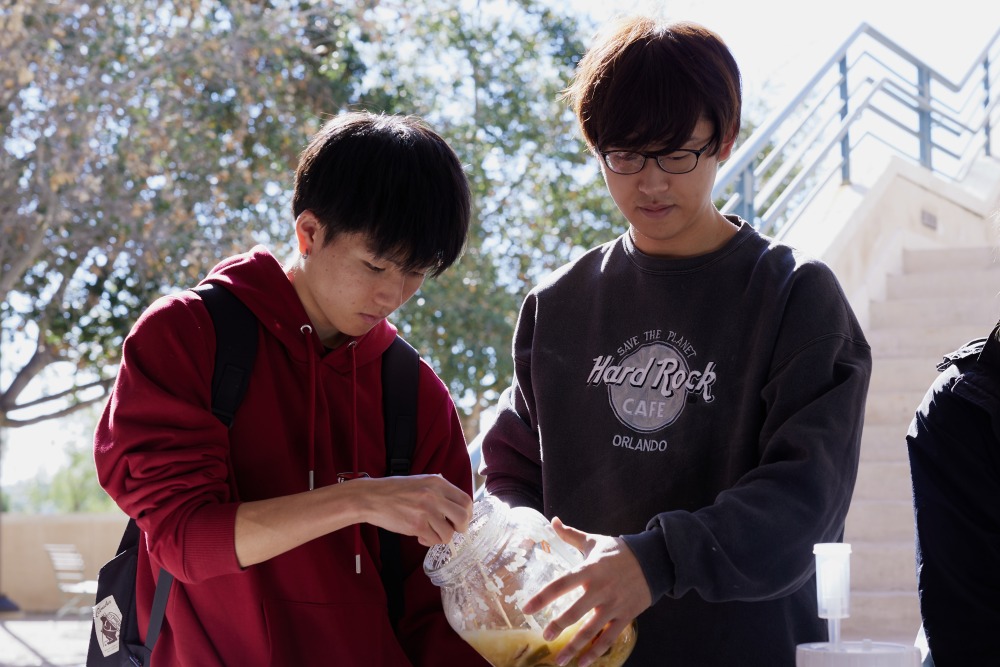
526 648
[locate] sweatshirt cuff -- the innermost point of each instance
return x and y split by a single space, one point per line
650 549
516 498
210 548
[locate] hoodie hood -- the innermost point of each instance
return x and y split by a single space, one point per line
258 280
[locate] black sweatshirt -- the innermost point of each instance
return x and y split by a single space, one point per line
708 410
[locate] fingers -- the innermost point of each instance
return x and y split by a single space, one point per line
440 509
440 529
595 648
573 537
427 507
591 639
549 593
459 509
614 592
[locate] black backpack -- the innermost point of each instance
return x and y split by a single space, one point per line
115 636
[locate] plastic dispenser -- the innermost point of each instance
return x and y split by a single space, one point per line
833 583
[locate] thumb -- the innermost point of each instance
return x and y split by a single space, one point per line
577 539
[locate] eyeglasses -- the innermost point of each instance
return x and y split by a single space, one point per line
675 161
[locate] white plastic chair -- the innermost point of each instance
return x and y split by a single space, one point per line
67 563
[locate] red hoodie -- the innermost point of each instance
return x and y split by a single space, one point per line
171 464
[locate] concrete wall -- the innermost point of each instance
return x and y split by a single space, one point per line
26 574
860 231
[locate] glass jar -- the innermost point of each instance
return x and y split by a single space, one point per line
486 575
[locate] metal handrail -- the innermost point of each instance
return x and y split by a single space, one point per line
906 107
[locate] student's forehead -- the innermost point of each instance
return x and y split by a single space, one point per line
367 245
398 256
701 133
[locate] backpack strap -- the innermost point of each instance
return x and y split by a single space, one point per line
235 348
159 608
130 538
235 351
400 371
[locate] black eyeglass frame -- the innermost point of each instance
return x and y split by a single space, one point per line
697 152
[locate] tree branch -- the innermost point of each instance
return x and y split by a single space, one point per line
103 383
27 256
18 423
41 358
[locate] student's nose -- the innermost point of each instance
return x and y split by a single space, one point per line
652 179
389 293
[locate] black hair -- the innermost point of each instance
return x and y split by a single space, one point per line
647 83
391 178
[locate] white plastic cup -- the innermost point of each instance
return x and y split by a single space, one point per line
833 579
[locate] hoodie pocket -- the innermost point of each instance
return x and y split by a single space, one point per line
302 633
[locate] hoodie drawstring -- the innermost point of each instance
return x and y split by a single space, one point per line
354 460
307 331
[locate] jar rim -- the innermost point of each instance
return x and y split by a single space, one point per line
444 562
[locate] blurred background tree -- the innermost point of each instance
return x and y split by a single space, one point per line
145 140
142 142
489 76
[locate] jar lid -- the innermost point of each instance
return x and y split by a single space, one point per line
489 522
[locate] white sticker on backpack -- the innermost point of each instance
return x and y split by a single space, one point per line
107 625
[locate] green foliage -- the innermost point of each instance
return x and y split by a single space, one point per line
73 488
489 77
145 140
142 141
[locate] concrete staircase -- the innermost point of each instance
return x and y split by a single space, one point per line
941 298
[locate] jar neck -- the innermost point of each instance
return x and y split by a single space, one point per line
476 546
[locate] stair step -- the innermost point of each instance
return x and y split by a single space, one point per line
893 407
884 617
902 373
883 442
876 520
922 341
979 283
931 311
944 298
885 566
884 480
923 260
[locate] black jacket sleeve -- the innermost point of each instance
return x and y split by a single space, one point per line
954 450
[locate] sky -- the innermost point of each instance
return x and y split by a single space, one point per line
779 45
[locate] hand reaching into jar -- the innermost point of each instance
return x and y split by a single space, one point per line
614 588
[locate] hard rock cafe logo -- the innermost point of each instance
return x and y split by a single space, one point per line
650 386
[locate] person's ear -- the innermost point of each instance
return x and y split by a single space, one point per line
307 231
727 148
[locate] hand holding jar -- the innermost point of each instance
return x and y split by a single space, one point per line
489 573
614 592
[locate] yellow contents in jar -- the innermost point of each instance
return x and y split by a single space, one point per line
526 648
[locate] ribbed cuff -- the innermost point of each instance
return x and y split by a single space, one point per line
650 550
